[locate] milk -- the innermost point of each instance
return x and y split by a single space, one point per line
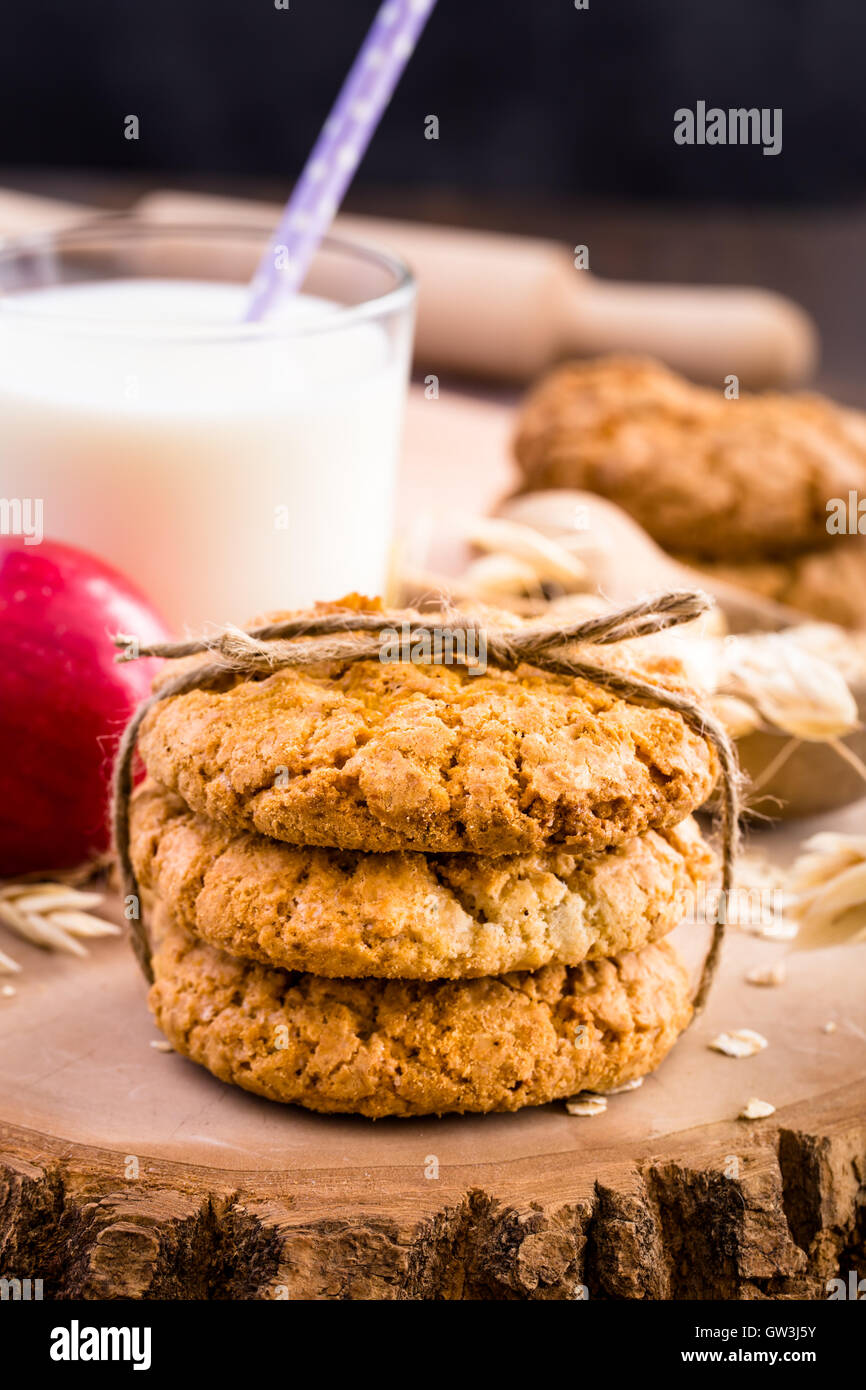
227 470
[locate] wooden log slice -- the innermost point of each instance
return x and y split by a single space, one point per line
128 1172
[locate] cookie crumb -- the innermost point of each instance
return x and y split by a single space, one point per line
830 1027
8 991
161 1045
755 1109
739 1042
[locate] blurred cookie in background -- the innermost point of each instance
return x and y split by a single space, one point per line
743 486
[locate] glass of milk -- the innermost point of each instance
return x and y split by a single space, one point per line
228 468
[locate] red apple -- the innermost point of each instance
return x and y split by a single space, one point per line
64 700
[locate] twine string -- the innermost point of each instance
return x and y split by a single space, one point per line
339 638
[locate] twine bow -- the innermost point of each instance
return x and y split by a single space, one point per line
317 640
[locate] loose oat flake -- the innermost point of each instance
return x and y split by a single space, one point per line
766 975
739 1042
755 1109
586 1104
8 966
626 1086
161 1045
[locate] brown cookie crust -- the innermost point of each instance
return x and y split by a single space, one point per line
398 756
827 584
404 1048
408 915
739 479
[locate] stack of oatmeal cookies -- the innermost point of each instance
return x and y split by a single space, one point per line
398 889
764 491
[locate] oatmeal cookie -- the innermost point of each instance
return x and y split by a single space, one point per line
390 756
396 1047
740 479
828 584
407 915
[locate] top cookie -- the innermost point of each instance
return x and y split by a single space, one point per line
396 756
722 479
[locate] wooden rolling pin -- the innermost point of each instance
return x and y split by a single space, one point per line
507 307
21 213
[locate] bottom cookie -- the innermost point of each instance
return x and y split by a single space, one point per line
395 1047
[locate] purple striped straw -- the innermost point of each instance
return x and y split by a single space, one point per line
338 151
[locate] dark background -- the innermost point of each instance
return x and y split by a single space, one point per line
553 121
533 96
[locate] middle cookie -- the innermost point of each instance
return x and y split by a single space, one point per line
406 915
